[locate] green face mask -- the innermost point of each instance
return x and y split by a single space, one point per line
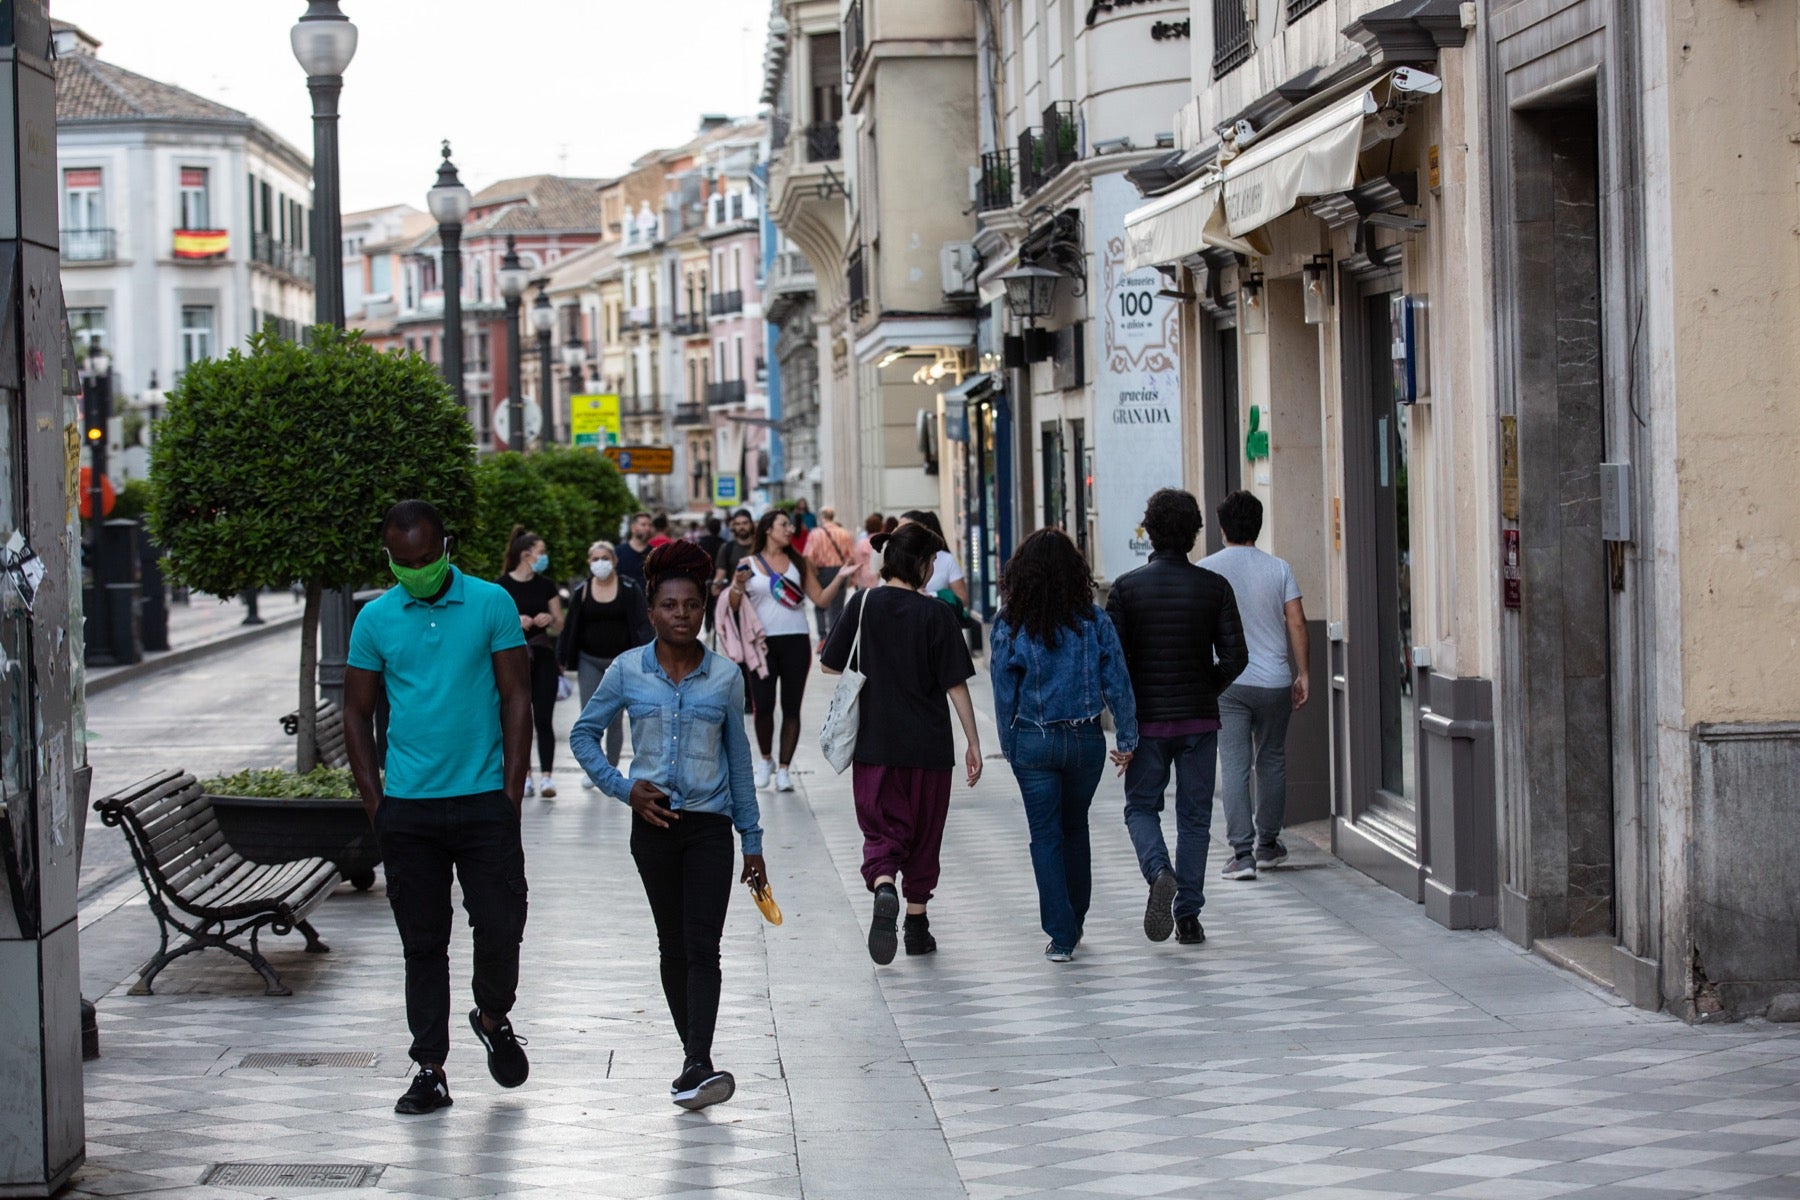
422 583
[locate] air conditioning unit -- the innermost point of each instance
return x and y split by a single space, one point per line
958 265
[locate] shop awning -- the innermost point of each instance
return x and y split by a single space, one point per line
1186 221
1315 157
973 388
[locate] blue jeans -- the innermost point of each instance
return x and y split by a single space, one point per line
1253 735
1193 760
1058 768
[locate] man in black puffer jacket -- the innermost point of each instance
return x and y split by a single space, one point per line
1184 645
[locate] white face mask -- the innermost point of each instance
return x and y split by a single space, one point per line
602 568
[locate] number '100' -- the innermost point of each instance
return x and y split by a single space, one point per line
1136 304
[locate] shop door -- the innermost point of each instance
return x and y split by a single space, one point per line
1222 441
1395 798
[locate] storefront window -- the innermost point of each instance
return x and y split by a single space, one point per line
1393 552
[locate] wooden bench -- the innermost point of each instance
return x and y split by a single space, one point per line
202 888
331 734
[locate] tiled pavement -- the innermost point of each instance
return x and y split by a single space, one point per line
1327 1042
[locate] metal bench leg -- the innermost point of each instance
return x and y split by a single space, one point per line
161 959
254 957
313 944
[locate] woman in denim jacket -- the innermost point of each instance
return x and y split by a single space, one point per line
1056 663
690 785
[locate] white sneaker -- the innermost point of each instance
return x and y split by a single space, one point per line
588 785
530 788
547 788
764 769
783 781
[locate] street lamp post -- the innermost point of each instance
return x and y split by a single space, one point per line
324 42
543 319
575 358
449 202
513 278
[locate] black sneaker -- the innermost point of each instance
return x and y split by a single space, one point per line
429 1092
506 1061
700 1086
1188 931
918 934
1271 855
1240 867
882 926
1159 919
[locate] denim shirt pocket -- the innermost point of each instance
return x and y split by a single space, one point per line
647 736
702 742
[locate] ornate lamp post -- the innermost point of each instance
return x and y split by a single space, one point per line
513 278
575 358
324 42
543 319
449 202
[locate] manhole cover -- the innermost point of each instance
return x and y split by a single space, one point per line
355 1060
291 1175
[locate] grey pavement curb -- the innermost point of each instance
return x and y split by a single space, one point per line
187 654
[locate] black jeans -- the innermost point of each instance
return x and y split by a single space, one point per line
544 674
687 872
422 842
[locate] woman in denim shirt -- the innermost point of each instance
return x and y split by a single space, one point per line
1056 663
690 784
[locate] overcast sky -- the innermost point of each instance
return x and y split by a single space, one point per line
578 87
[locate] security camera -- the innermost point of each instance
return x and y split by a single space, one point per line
1242 131
1411 79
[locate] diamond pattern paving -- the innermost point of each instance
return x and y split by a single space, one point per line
1326 1042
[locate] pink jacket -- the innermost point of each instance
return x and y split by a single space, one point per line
742 638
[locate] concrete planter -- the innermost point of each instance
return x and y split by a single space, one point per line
266 830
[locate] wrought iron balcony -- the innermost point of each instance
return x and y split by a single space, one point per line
854 45
1231 37
266 249
1062 137
689 323
726 304
89 245
691 414
856 277
822 142
1034 165
995 187
725 391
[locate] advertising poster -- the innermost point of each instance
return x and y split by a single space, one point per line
1137 387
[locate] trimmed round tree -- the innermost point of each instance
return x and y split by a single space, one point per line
278 465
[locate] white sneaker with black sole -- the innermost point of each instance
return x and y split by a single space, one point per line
765 770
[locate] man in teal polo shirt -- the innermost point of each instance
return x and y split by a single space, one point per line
449 652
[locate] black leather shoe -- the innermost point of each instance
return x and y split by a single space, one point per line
884 937
1188 931
918 934
1157 919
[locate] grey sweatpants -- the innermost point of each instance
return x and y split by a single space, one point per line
1253 725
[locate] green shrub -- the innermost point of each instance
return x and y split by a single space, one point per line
133 501
277 465
322 783
568 497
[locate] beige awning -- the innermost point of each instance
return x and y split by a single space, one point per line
1186 221
1315 157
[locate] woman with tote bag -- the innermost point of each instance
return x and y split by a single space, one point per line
917 667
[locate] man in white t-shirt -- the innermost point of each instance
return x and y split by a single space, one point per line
1254 710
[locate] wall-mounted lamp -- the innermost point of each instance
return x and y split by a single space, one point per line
1316 287
1030 292
1253 311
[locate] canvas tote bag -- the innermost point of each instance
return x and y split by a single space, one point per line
837 736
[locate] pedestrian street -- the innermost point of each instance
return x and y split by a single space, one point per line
1327 1041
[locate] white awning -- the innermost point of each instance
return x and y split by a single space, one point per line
1315 157
1185 221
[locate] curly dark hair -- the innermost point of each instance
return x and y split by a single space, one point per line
677 560
1172 519
1046 587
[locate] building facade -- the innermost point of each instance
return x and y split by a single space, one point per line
185 228
1443 307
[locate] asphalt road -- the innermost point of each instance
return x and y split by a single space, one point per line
214 716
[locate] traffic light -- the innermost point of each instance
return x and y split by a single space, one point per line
96 406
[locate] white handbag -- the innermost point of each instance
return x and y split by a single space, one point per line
837 736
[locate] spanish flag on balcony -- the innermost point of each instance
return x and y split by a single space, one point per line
201 243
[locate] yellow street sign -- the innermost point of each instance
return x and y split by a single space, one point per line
594 420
